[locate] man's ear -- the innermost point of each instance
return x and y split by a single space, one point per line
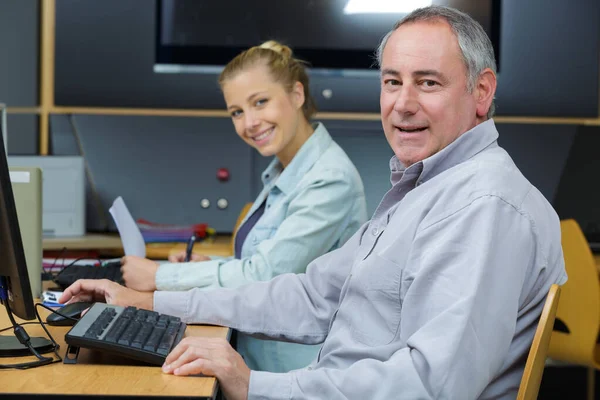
298 95
484 92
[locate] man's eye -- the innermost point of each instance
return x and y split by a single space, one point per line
391 82
236 113
430 83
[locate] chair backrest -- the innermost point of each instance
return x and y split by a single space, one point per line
579 309
238 222
536 360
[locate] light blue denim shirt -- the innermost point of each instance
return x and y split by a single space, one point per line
437 297
312 206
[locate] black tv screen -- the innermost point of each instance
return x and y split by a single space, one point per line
198 35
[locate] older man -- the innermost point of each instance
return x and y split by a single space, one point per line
438 296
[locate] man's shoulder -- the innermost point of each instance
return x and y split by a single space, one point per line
490 176
492 173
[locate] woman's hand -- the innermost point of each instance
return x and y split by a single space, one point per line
213 357
180 257
139 273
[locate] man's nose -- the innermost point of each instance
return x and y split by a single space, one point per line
407 100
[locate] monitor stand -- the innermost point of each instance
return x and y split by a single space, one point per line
11 347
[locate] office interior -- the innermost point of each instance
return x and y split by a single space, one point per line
78 78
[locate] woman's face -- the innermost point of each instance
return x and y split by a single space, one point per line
264 113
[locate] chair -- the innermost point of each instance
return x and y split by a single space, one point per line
238 222
579 310
536 360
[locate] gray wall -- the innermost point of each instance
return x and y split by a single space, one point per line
163 166
19 46
105 54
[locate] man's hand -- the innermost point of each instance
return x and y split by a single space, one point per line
214 357
103 290
139 273
180 257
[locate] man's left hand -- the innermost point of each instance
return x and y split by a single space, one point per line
213 357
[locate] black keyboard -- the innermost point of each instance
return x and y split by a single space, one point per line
130 332
110 270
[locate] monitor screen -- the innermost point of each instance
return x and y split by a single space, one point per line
13 268
329 34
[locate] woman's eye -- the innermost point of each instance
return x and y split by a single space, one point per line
261 102
236 113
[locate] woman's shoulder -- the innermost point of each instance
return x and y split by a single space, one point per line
333 165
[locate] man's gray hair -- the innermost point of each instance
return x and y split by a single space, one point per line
475 45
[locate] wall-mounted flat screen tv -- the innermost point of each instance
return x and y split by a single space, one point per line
331 35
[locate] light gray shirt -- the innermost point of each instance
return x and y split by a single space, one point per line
438 296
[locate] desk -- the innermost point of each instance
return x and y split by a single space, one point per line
219 246
110 244
98 374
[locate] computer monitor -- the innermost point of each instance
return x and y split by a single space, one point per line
15 291
3 132
13 268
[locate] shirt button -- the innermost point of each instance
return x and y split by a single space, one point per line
375 231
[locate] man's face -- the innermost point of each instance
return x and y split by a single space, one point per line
425 104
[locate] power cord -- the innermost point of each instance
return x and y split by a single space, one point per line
25 340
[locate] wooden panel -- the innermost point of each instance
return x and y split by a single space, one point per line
322 115
46 70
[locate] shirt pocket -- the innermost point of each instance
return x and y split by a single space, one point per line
258 234
376 302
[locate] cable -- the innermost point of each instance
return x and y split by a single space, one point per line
25 340
24 323
60 255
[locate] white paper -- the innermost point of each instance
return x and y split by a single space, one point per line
131 237
19 177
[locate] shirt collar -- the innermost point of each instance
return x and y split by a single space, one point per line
463 148
286 179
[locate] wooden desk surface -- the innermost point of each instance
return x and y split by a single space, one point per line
99 374
111 244
219 246
90 241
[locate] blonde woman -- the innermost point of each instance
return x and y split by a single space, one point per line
312 201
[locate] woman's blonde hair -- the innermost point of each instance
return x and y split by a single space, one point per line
283 68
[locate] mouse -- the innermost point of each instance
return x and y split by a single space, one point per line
72 310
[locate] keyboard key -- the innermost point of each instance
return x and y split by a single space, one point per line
154 338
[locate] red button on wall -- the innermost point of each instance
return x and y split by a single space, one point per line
223 174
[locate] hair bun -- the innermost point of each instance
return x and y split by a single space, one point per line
277 47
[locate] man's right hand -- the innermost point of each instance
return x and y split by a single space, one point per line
105 291
180 257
